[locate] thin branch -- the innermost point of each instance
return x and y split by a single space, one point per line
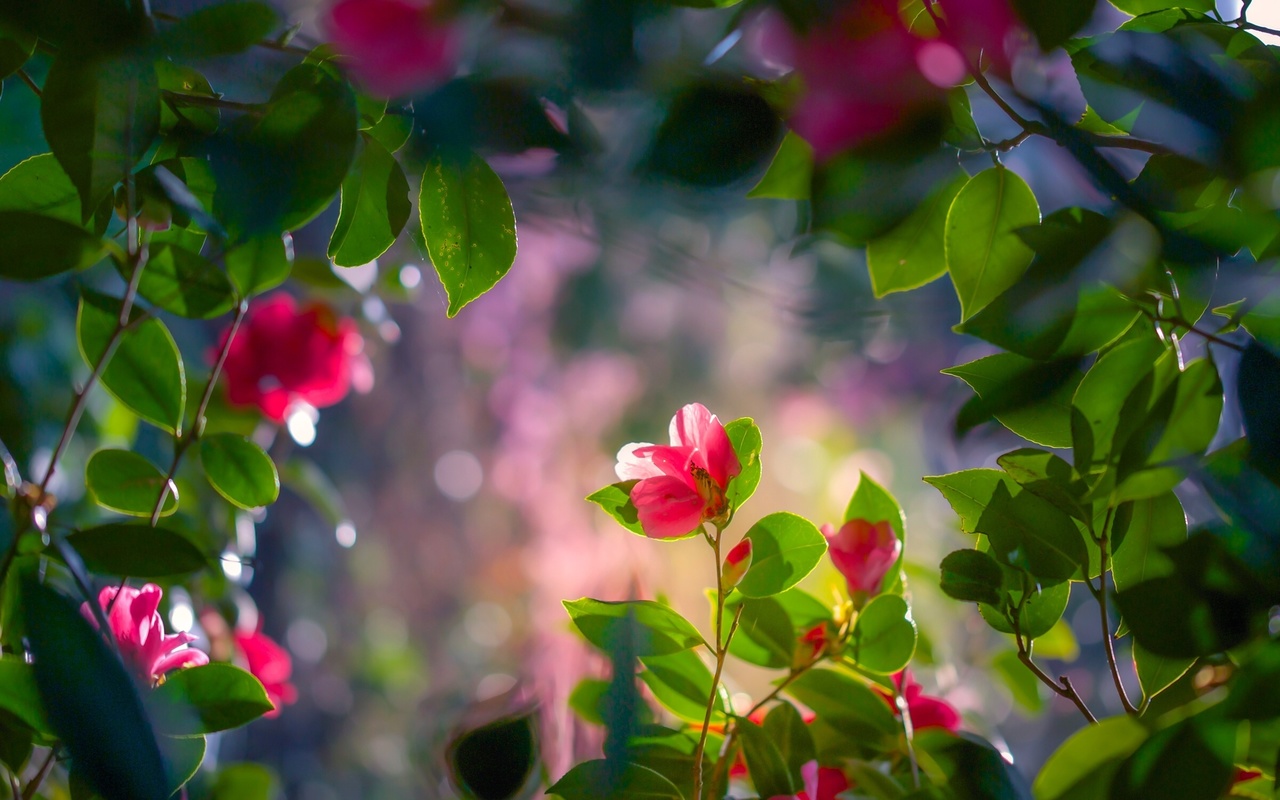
41 774
208 101
722 650
1187 325
1249 26
1100 594
781 687
30 82
1063 689
908 730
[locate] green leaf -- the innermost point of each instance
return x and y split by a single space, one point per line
1040 612
1083 766
1139 7
180 118
1030 398
615 499
496 759
847 705
375 207
1102 394
1157 673
973 766
912 254
392 131
884 636
873 503
183 756
787 730
124 481
1029 533
136 550
1191 760
1255 687
220 30
468 223
1258 389
600 622
101 720
145 372
587 699
969 491
770 774
260 264
33 246
984 254
745 437
790 172
785 548
972 576
244 782
1157 523
1022 684
239 470
39 185
600 780
100 114
1048 476
19 695
185 283
1054 23
207 699
766 636
681 683
15 49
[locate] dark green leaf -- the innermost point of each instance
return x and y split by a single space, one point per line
667 631
239 470
185 283
615 499
1040 611
884 636
183 756
787 730
681 683
468 223
137 550
1030 398
1255 688
766 636
178 116
40 186
1258 387
770 774
790 172
220 30
785 548
33 246
16 742
972 576
600 780
1048 476
18 694
745 437
984 254
1191 760
714 133
15 49
207 699
260 264
495 761
145 372
912 254
1102 394
974 768
1029 533
1054 23
100 115
1157 523
1139 7
1022 684
375 207
846 704
124 481
392 131
100 721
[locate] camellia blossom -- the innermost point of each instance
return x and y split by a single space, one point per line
681 485
926 711
864 554
820 783
139 631
271 665
284 354
395 47
736 564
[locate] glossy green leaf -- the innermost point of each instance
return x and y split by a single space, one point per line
207 699
913 254
770 773
587 699
884 636
1048 476
220 30
39 185
19 696
1039 613
137 550
972 576
681 683
375 208
1138 7
745 437
1030 398
468 224
145 372
494 761
600 780
1101 395
666 631
260 264
176 116
100 114
1028 532
239 470
969 491
183 757
1157 673
785 548
984 253
846 704
1054 23
790 734
33 246
790 172
766 636
1083 766
973 766
615 499
873 503
1255 688
392 131
1157 523
185 283
101 721
1191 760
124 481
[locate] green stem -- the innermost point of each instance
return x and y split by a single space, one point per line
721 651
1101 596
908 730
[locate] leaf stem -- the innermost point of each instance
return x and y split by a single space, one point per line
721 650
41 774
1100 594
209 101
30 82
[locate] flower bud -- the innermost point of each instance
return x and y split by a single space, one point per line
864 553
736 564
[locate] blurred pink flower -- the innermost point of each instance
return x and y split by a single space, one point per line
736 564
926 711
396 47
135 621
284 354
820 783
271 665
864 553
682 485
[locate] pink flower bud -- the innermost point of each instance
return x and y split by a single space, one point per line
864 553
736 564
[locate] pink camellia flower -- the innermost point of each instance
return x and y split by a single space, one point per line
284 354
820 783
736 564
271 665
396 47
681 485
135 621
926 711
864 554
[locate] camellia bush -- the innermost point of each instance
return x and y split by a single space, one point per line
1137 328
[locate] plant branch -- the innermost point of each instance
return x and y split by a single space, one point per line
781 687
1063 689
30 82
1100 594
1190 327
722 650
41 774
208 101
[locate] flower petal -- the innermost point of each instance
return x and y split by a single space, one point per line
633 467
667 507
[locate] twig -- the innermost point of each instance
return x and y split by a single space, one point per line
1100 594
1063 689
41 774
781 687
209 102
30 82
1190 327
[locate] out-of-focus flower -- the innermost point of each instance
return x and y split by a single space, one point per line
271 664
811 645
864 554
681 485
395 47
139 631
820 783
736 564
926 711
285 354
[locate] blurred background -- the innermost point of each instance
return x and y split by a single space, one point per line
430 527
